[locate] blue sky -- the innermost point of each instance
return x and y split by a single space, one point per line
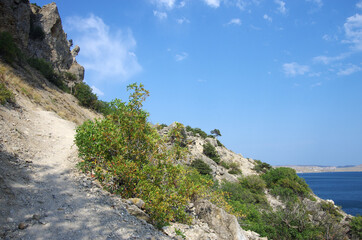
281 79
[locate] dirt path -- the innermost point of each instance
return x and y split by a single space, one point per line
42 195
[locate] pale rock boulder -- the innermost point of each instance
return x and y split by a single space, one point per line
225 225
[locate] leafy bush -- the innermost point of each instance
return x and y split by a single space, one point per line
130 158
286 183
8 49
292 222
254 183
161 126
356 227
5 94
219 143
238 193
201 167
261 167
211 152
83 92
195 131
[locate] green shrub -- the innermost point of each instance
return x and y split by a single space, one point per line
211 152
234 169
161 126
46 69
195 131
254 183
242 195
332 210
356 227
69 76
8 49
201 167
219 143
225 164
83 92
129 157
5 94
286 183
261 167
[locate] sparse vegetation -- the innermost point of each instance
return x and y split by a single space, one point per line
210 151
201 167
234 168
8 49
46 69
5 94
195 131
261 167
161 126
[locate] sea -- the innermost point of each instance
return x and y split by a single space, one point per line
344 188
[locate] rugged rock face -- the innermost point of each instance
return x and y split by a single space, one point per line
219 172
39 33
225 225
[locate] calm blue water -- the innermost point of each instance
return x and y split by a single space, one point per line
344 188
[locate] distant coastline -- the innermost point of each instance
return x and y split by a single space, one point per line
318 169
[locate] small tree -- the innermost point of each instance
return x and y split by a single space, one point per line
216 132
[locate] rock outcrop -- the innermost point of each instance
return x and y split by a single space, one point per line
39 34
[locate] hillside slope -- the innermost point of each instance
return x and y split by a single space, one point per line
42 194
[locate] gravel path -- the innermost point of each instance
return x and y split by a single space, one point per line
43 196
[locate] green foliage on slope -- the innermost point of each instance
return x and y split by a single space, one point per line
5 94
130 158
356 227
211 152
285 182
8 49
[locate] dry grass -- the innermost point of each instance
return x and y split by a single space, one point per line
27 85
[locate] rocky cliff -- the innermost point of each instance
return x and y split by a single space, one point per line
38 32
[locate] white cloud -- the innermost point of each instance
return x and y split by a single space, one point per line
164 3
160 15
327 37
359 4
327 60
353 31
234 21
182 20
180 57
319 3
266 17
182 4
349 70
318 84
107 53
97 91
213 3
293 69
281 6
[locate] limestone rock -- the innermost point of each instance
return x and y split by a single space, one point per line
39 34
225 225
135 211
138 202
